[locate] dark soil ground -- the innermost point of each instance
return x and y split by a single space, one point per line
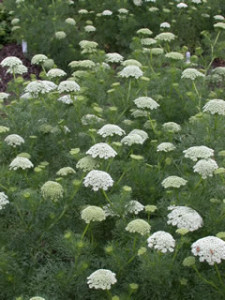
14 50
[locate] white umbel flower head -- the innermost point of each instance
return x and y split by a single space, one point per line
66 99
98 180
86 64
70 21
220 25
3 200
20 163
161 241
138 226
113 58
146 102
131 62
68 86
165 147
88 46
11 62
37 298
55 73
184 217
65 171
134 207
215 106
141 133
40 87
218 17
148 41
60 35
109 211
165 37
52 190
210 249
4 96
89 28
132 139
38 59
93 214
172 127
107 12
101 150
165 25
173 181
101 279
131 71
174 55
110 130
205 167
191 73
196 1
14 140
3 129
90 119
182 5
87 163
144 31
196 152
20 69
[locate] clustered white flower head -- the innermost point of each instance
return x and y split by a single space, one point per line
65 171
20 163
165 147
90 119
40 87
11 62
68 86
60 35
107 12
218 17
113 57
66 99
52 190
123 11
165 36
88 46
101 279
3 129
148 41
93 214
205 167
14 140
38 59
165 25
70 21
20 69
146 102
4 96
196 152
109 211
184 217
54 73
174 55
89 28
3 200
155 51
131 71
215 106
137 2
101 150
196 1
110 130
210 249
138 226
161 241
191 73
136 136
173 181
98 180
144 31
220 25
172 126
134 207
86 63
182 5
37 298
87 163
131 62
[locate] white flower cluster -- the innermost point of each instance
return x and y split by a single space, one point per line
90 119
113 57
110 130
101 150
93 214
205 167
131 71
174 55
138 226
89 28
4 96
86 64
66 99
165 25
134 207
68 86
101 279
196 152
148 41
14 140
65 171
165 147
210 249
131 62
20 163
161 241
98 180
109 211
54 73
87 164
191 73
38 59
184 217
3 200
136 136
107 12
165 36
215 106
11 62
52 190
144 31
172 126
173 181
88 46
40 87
182 5
146 102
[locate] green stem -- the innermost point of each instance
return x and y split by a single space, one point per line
199 97
219 275
106 197
205 280
85 231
